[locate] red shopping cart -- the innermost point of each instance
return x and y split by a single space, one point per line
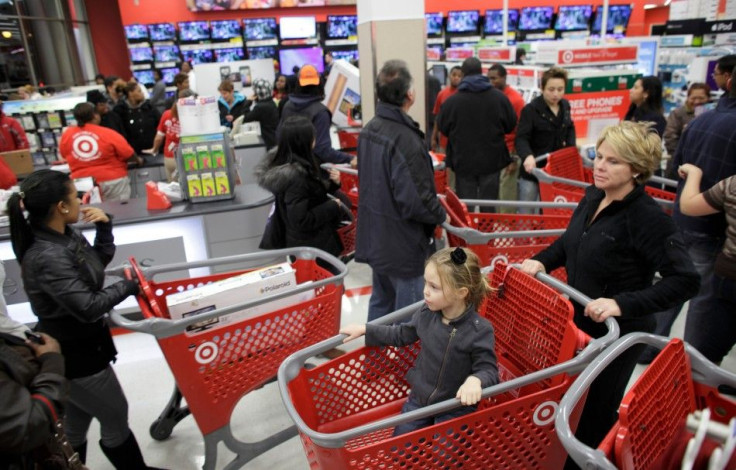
215 365
651 430
346 409
506 238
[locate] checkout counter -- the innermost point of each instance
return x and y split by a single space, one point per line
185 232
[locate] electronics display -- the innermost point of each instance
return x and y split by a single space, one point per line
434 52
463 21
219 5
136 32
434 24
257 29
618 16
191 31
230 54
54 119
141 54
47 139
348 55
342 26
440 72
297 57
166 53
573 18
198 56
297 27
69 118
162 32
262 52
493 23
144 77
26 120
225 29
709 75
535 18
168 74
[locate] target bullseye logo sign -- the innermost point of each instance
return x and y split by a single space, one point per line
206 352
545 413
560 199
567 57
85 147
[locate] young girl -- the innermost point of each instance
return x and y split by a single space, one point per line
457 358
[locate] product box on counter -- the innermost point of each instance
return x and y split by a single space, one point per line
234 290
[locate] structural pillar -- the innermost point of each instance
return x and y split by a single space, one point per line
391 29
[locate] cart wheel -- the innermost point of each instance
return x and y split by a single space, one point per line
161 429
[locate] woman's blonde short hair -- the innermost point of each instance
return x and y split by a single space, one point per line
637 143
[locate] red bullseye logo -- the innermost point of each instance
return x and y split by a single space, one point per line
545 413
567 57
560 199
206 352
85 147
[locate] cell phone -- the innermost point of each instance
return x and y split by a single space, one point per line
34 337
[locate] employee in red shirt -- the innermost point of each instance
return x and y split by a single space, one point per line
439 141
12 135
508 189
167 134
99 152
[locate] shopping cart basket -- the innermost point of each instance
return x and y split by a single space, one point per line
507 238
346 409
653 413
216 367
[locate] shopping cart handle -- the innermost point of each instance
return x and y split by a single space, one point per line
148 325
342 168
542 157
664 181
525 204
476 237
587 457
545 177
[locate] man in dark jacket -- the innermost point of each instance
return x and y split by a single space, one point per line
102 107
398 208
307 102
475 121
140 119
264 111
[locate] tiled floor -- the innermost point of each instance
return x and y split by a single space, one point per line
148 383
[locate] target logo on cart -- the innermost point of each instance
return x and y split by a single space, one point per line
499 259
560 199
545 413
85 147
206 352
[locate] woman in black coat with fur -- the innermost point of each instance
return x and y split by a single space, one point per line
309 215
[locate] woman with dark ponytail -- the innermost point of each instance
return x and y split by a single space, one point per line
63 277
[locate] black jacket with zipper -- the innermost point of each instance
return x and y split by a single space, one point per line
449 353
310 216
616 255
63 276
540 131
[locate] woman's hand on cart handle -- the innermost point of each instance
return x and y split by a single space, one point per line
354 162
532 267
530 163
353 332
470 391
334 175
601 308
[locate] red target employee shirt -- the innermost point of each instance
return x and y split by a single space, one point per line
169 127
95 151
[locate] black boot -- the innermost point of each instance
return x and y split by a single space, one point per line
81 450
126 456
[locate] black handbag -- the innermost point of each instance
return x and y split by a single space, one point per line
274 234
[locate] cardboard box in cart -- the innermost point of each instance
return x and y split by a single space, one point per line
234 290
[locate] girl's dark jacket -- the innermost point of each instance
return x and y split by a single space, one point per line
310 216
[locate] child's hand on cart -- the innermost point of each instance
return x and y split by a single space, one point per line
353 332
532 267
469 392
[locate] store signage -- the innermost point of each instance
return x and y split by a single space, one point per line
591 112
597 55
726 26
495 54
455 53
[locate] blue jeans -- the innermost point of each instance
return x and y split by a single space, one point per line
702 326
528 191
412 404
478 187
391 293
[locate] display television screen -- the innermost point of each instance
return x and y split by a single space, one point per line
573 18
463 21
259 29
162 32
434 24
535 18
136 32
297 27
192 31
198 56
230 54
342 26
261 52
618 16
141 54
297 57
168 53
493 24
225 29
348 55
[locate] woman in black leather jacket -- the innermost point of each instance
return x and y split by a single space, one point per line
63 277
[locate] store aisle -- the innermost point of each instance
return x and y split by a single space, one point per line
148 384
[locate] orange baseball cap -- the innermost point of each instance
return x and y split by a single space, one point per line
308 75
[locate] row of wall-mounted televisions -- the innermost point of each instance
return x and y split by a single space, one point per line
252 29
288 59
568 18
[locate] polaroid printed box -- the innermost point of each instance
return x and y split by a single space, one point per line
234 290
